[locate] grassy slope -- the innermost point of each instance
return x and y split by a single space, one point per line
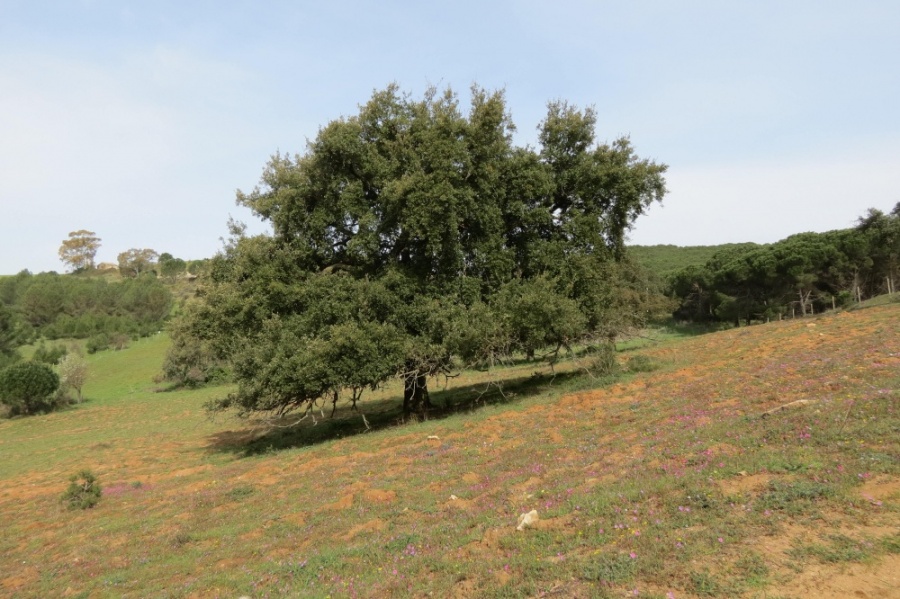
666 482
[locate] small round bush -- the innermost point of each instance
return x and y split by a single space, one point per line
641 363
83 492
28 387
97 343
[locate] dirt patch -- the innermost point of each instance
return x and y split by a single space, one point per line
229 564
471 478
344 503
379 496
555 437
776 546
370 526
531 484
464 589
25 576
297 519
845 581
457 504
880 488
744 484
559 523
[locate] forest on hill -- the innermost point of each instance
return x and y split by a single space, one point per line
664 260
802 274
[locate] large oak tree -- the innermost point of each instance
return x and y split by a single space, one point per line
413 235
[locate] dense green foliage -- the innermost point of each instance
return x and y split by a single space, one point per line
28 387
663 261
84 491
49 355
170 267
10 336
412 236
64 306
799 275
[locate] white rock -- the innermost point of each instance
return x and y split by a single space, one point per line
527 519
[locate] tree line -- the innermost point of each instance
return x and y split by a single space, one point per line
79 250
799 275
53 306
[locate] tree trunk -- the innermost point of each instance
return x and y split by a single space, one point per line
415 395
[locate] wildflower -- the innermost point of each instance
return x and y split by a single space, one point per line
633 555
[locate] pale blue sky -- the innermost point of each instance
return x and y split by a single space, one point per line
139 120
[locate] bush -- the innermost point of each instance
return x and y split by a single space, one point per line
641 363
119 341
602 359
97 343
84 491
28 387
9 359
50 356
73 373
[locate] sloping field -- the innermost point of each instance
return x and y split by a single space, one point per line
679 483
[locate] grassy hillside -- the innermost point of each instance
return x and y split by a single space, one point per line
673 483
663 260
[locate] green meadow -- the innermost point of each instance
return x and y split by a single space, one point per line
759 461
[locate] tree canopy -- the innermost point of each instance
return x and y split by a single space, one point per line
800 274
56 306
79 249
135 262
27 387
412 236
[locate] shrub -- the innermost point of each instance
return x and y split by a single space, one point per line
84 491
641 363
602 359
49 355
119 341
73 373
28 387
97 343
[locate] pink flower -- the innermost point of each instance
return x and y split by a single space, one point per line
633 555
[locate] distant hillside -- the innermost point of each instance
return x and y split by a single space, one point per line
663 260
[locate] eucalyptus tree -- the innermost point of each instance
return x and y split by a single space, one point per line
413 235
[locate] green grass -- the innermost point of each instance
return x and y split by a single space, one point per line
637 479
880 300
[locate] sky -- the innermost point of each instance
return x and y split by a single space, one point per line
140 120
